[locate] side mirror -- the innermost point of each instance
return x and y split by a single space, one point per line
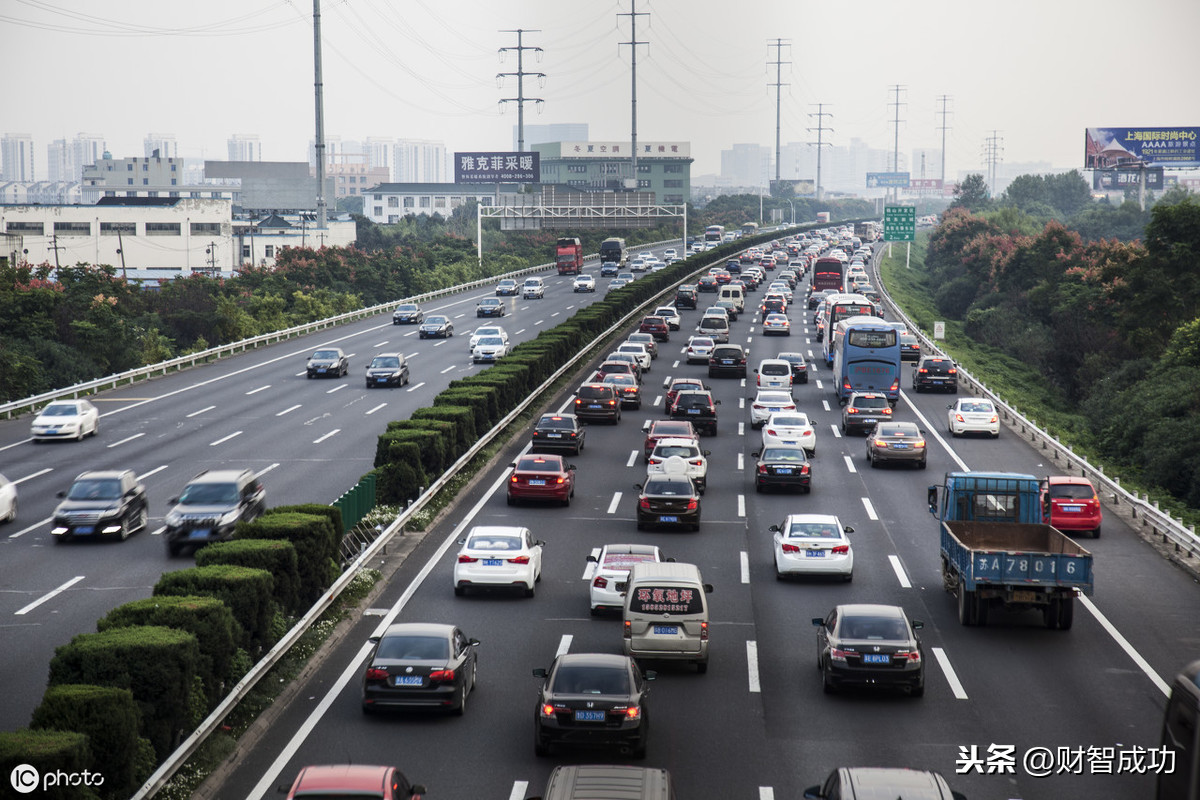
817 622
917 624
540 672
847 529
473 642
638 486
513 464
669 560
418 790
592 559
373 639
708 588
649 674
931 499
570 466
64 494
706 452
774 529
462 541
756 454
717 402
540 543
175 501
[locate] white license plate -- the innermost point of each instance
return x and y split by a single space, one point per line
553 435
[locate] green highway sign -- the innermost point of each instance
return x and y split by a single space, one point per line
899 223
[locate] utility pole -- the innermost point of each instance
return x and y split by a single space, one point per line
778 45
992 148
944 100
320 94
633 43
896 146
819 143
121 253
212 256
56 247
520 76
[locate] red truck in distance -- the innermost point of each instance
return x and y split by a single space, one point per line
568 256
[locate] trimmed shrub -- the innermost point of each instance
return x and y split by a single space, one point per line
247 592
276 556
317 550
489 394
399 483
206 618
476 402
48 752
156 664
110 719
333 512
432 444
463 418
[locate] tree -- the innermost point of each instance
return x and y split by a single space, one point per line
972 194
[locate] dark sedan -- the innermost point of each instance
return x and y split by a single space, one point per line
387 369
595 699
870 645
783 466
490 307
106 504
799 366
420 665
558 432
707 283
407 314
436 327
698 408
329 361
668 500
910 347
656 327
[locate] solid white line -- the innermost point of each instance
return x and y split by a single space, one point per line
744 559
225 439
633 454
145 475
849 463
870 508
34 475
752 665
333 432
376 408
24 531
288 410
741 505
1124 644
837 433
901 575
46 597
944 662
741 463
337 388
259 389
930 431
591 566
126 439
564 645
201 411
612 507
414 388
518 790
447 369
741 429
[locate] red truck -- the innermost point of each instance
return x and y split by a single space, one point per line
568 255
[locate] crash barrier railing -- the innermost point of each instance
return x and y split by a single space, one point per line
1160 525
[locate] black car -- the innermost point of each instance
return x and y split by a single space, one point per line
935 373
408 314
685 297
211 506
490 307
799 366
671 500
609 269
707 283
784 467
595 699
863 410
420 665
436 327
698 408
727 359
328 361
910 347
104 504
387 369
558 432
598 401
870 645
773 305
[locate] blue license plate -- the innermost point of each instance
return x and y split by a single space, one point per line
727 361
666 630
85 529
553 435
589 716
868 419
199 533
783 470
407 680
537 482
321 369
492 562
876 658
693 411
594 405
668 519
381 380
1072 508
899 447
814 553
774 408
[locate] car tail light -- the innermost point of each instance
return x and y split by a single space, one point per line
851 410
949 372
519 560
885 411
547 710
644 504
444 675
578 401
994 418
879 443
697 463
846 385
612 402
790 548
655 460
836 654
559 480
959 418
377 673
704 631
911 655
513 479
600 582
692 504
922 370
628 630
467 560
771 432
895 385
804 470
629 712
919 443
841 550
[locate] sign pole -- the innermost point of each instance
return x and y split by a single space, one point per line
479 230
907 254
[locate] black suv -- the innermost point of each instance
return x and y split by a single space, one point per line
211 506
727 359
698 408
558 432
935 372
863 410
685 297
598 401
103 504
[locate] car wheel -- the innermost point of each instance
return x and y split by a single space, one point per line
529 590
459 591
1095 531
702 667
541 747
460 707
143 519
510 500
639 752
641 526
871 461
172 548
827 683
918 688
922 464
368 710
848 577
780 576
996 435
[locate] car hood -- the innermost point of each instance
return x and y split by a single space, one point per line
322 362
383 370
202 510
70 507
57 422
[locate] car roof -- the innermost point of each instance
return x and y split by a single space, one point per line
1061 480
675 441
591 660
101 474
818 518
219 476
496 530
869 610
418 629
324 779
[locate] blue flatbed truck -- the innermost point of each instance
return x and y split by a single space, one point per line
996 549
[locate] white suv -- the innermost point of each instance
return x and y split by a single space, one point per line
679 457
534 287
774 373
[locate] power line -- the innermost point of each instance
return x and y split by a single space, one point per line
520 74
897 88
778 45
819 143
993 147
633 43
944 100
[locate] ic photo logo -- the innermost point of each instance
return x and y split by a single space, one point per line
25 778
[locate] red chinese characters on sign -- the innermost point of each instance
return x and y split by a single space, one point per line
666 600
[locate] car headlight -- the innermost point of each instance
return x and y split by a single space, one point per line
173 518
228 518
110 512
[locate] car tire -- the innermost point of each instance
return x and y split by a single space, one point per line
827 684
512 501
917 689
639 753
871 461
702 667
460 707
996 435
641 526
1095 531
172 548
530 590
922 464
758 487
848 578
368 710
459 591
12 514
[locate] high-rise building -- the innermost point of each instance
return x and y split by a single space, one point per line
16 157
554 132
65 159
245 147
58 161
88 149
380 153
747 165
420 161
164 143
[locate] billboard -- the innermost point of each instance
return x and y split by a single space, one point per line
1113 179
887 180
497 168
1105 148
925 183
624 150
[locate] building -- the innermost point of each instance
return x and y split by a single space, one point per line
747 165
388 203
43 192
65 159
244 147
554 132
663 168
352 174
380 152
420 161
268 185
16 157
259 239
162 145
146 177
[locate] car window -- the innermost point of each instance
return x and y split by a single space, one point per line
595 392
325 354
95 489
385 361
797 421
869 402
59 410
1071 491
590 680
814 530
417 648
775 369
980 406
669 487
783 454
683 451
538 463
494 542
888 629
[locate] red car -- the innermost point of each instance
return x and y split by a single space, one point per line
667 429
1071 504
723 276
541 477
681 385
357 780
656 327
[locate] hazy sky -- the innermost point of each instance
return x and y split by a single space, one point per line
1039 72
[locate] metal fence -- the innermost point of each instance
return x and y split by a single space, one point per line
357 502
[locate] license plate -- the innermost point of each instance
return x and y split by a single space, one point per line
1023 596
899 447
783 470
1072 508
199 533
814 553
693 411
727 361
85 529
868 419
876 658
322 369
589 716
774 408
492 562
407 680
594 405
553 435
668 519
381 380
537 482
666 630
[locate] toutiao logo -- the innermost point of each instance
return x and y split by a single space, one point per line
24 778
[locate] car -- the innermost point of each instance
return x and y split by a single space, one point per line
782 288
638 351
819 314
646 255
487 330
812 544
617 283
606 580
656 327
619 364
715 326
863 410
721 274
782 466
870 645
897 442
558 432
935 373
65 419
328 361
767 402
910 347
583 283
490 307
790 428
671 315
680 457
592 699
598 401
1070 503
773 373
667 429
387 369
533 288
436 327
609 268
678 385
865 783
8 500
646 339
489 348
498 556
698 408
973 415
707 283
407 314
720 312
773 305
699 349
628 277
628 388
541 477
420 665
670 252
799 366
210 507
730 308
101 504
685 296
727 359
669 499
361 781
506 287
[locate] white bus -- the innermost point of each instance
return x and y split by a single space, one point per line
714 233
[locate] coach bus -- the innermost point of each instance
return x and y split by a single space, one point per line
749 228
866 358
837 308
828 273
714 234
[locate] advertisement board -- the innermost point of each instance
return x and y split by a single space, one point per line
1105 148
887 180
624 150
925 183
1127 179
497 167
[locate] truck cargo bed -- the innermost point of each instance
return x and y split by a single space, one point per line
1015 555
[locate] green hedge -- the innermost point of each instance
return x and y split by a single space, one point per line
333 512
463 418
47 752
248 593
317 548
478 402
432 446
276 556
157 664
110 719
206 618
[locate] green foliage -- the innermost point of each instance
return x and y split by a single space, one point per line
247 592
972 194
49 752
276 556
315 540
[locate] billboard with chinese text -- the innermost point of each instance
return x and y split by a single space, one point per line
623 150
1105 148
1111 179
888 180
497 168
925 183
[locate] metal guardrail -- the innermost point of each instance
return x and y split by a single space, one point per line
1161 525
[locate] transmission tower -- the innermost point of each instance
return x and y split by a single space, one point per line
944 100
633 43
778 44
993 149
897 88
520 74
820 142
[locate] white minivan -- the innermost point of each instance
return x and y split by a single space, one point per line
734 294
533 287
665 615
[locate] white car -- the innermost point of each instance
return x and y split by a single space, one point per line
498 555
66 419
768 402
606 580
699 348
679 456
487 330
776 324
637 350
489 348
780 287
8 500
533 287
584 283
973 415
670 252
813 544
773 373
646 256
790 428
671 315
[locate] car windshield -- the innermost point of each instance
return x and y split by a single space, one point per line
435 321
671 429
700 342
406 308
489 301
538 463
683 451
487 331
209 494
325 354
624 380
982 406
898 430
889 629
774 399
555 423
595 392
669 487
494 542
385 362
590 680
869 402
795 454
60 410
692 400
97 489
1072 491
813 530
491 340
792 421
792 358
413 648
508 283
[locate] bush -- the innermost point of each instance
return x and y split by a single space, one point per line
157 664
276 556
477 402
48 752
317 549
247 592
333 512
463 418
432 445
